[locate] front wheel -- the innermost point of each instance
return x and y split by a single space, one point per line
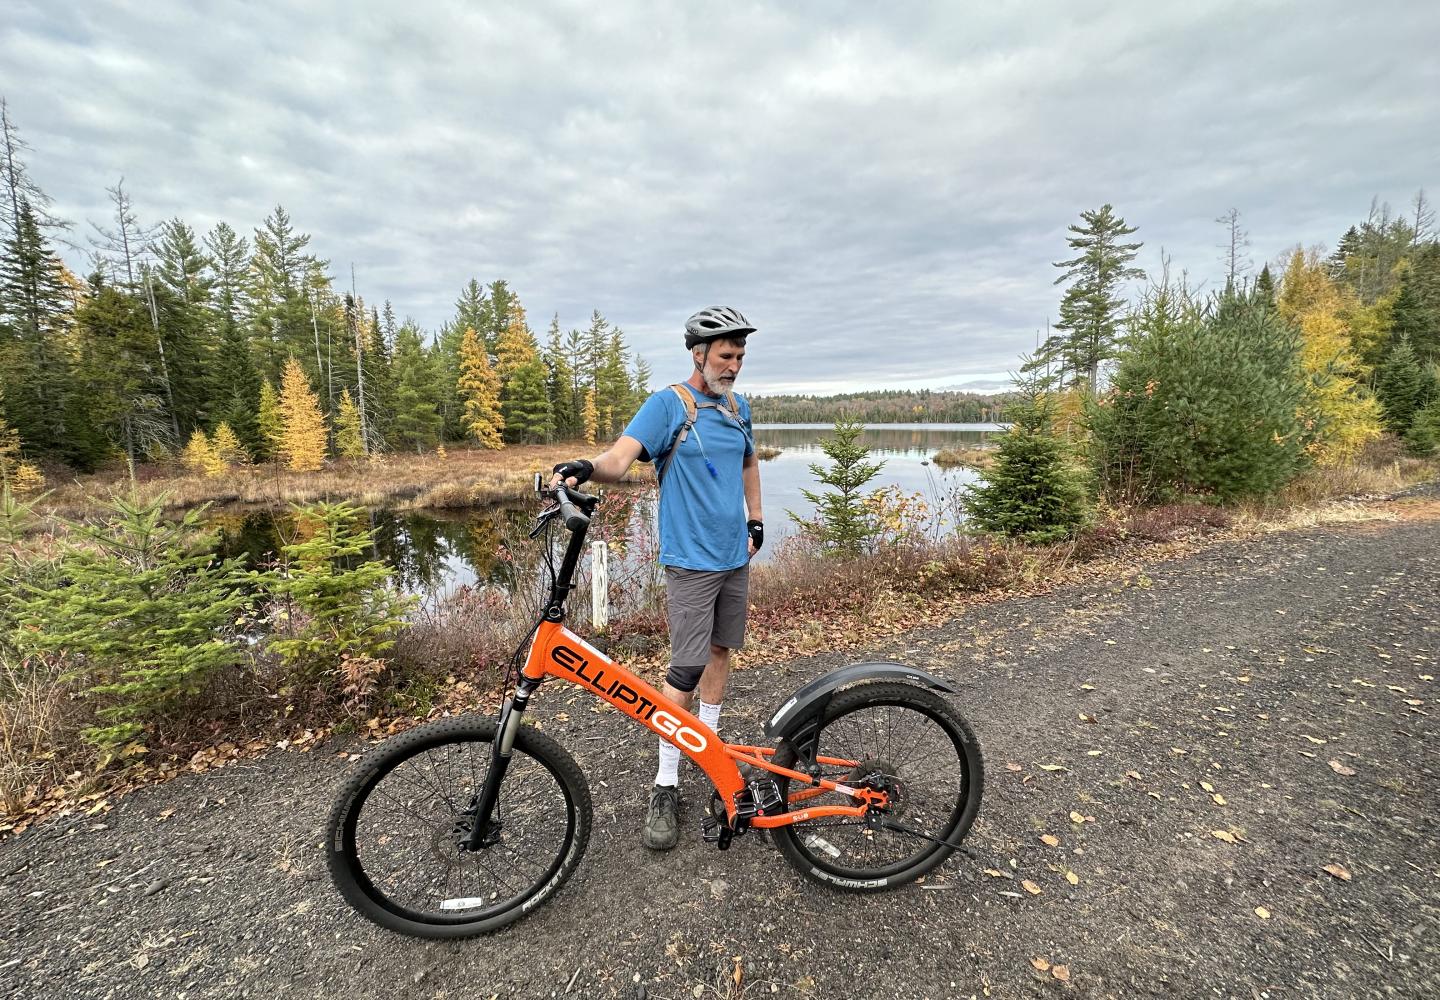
899 738
396 837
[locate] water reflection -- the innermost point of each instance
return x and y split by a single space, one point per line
435 552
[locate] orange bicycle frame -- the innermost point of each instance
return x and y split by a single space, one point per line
558 652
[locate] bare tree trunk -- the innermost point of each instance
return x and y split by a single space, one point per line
164 369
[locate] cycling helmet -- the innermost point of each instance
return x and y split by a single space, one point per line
715 322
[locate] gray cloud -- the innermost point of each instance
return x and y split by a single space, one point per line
882 188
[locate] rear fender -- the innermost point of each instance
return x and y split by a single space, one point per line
807 705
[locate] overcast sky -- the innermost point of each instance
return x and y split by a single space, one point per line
880 187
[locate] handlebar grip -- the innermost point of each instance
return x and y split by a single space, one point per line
574 519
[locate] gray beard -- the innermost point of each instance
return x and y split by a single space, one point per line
713 383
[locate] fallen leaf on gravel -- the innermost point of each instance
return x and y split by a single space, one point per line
1091 687
1262 913
1133 774
1317 740
1061 973
1153 795
1177 750
1305 753
1356 680
993 873
1413 701
1030 887
1086 718
1050 839
1208 787
1012 766
1426 677
1076 817
1094 753
1219 799
1397 690
1339 872
1053 767
1224 835
1040 964
1072 878
1340 768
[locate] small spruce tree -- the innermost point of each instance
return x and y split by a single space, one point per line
1030 491
843 524
269 421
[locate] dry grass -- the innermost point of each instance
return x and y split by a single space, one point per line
464 477
766 452
974 458
37 728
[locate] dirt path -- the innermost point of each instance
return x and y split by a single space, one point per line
1249 667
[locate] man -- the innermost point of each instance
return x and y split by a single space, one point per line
698 435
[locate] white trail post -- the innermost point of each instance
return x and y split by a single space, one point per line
599 585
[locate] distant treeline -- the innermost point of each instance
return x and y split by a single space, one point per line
891 406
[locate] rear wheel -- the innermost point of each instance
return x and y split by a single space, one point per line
396 836
897 738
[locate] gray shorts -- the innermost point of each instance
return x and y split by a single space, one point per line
705 608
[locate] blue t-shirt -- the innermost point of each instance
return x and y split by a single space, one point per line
702 517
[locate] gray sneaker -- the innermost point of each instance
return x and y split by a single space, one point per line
662 821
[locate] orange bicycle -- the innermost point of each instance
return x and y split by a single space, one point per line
464 825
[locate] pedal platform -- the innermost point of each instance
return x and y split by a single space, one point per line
760 797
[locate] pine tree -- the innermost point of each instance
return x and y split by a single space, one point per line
1400 388
282 273
1030 491
144 614
559 384
524 402
1265 287
269 422
1415 312
349 436
1342 413
118 399
526 405
304 434
842 523
379 383
480 393
1091 308
349 611
416 420
612 383
1205 399
34 318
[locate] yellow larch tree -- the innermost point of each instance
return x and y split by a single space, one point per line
479 387
228 447
590 416
1343 415
199 456
303 431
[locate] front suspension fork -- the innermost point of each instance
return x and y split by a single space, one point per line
485 830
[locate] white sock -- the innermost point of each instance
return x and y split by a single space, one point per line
710 715
668 773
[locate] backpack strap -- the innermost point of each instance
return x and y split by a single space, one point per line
687 399
730 408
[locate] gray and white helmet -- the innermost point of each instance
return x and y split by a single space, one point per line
713 323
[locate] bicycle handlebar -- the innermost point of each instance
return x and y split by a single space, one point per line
575 519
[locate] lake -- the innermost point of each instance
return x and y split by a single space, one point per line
435 552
